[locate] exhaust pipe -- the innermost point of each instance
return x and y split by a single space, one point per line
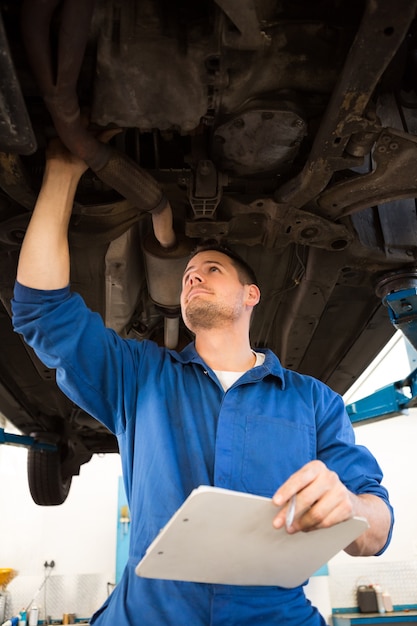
59 93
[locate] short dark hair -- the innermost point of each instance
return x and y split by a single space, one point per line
245 273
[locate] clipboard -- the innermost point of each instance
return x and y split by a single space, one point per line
226 537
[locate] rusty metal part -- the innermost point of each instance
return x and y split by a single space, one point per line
15 181
15 125
249 34
299 324
394 176
60 96
260 139
59 91
273 225
396 281
383 32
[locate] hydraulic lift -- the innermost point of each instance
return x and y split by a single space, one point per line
25 441
398 291
389 401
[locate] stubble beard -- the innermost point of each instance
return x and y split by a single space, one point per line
203 315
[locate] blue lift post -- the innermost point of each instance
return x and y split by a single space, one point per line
398 397
25 441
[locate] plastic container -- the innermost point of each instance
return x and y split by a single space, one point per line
386 598
379 600
34 616
367 602
13 621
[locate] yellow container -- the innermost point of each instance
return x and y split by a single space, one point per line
6 575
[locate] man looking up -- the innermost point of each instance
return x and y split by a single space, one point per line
217 413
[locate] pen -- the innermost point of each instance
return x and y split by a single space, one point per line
290 513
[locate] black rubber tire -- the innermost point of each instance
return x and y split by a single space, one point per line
47 485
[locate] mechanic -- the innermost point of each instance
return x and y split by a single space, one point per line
217 413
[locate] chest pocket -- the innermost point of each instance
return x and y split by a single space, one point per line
274 448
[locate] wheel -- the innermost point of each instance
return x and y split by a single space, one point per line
48 486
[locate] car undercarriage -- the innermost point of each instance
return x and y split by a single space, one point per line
284 129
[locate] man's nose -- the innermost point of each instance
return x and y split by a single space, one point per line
194 278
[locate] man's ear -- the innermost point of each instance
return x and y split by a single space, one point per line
254 295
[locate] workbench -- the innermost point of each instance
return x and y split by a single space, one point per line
393 618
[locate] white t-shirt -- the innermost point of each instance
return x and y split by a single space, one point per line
228 378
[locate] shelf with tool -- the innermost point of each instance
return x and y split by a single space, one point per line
395 618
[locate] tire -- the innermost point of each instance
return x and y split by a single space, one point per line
47 485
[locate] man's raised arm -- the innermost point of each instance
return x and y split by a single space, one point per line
44 261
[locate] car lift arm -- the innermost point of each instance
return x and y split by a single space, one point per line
25 441
402 307
386 402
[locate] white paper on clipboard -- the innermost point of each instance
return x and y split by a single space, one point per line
226 537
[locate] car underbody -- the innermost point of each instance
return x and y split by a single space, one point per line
284 129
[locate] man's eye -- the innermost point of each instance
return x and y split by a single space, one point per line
214 269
